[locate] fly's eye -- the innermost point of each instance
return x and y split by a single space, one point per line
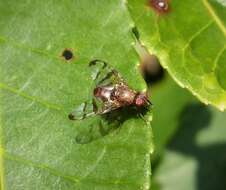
139 101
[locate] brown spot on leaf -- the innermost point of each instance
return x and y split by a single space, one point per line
67 54
160 6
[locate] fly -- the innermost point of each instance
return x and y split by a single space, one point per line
110 93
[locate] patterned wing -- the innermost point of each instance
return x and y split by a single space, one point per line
86 109
89 109
103 74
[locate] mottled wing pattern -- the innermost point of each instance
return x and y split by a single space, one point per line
103 75
86 109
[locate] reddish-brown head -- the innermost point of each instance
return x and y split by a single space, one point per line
141 100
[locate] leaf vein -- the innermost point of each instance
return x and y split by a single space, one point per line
195 35
91 169
218 56
22 46
41 167
33 98
54 172
215 17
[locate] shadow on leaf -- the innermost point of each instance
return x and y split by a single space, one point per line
109 123
211 173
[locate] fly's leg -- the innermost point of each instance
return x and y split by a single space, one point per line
107 107
147 118
89 109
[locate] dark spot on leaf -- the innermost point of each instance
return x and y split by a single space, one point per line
67 54
136 32
160 6
71 116
151 69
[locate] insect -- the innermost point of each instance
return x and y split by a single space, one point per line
161 6
110 93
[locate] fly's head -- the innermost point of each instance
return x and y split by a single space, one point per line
141 100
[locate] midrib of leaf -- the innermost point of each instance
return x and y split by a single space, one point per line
215 17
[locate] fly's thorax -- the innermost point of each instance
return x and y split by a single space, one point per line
123 94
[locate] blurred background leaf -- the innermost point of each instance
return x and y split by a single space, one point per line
190 151
169 100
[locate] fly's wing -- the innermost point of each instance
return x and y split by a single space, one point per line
104 107
103 74
92 108
82 111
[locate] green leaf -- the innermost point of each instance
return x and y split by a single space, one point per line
39 144
195 158
190 40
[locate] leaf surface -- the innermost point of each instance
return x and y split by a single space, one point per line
190 41
39 144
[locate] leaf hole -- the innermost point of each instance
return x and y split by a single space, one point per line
67 54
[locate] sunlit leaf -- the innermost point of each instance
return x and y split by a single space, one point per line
45 49
190 40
